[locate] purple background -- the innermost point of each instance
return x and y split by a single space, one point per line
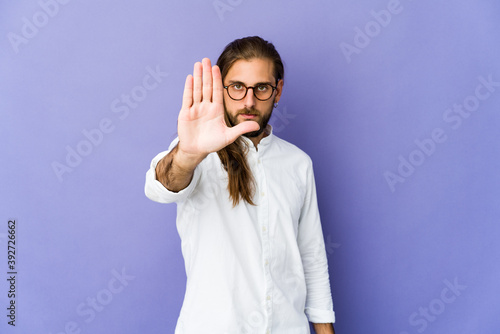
394 247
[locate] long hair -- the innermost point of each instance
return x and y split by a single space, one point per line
241 184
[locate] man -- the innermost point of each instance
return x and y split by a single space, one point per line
247 211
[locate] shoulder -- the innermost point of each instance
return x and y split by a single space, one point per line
283 148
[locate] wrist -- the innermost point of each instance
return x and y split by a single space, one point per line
187 161
325 328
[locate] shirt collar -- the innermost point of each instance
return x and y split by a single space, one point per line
264 142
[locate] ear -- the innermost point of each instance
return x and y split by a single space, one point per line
279 89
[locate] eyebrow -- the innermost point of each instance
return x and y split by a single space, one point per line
258 83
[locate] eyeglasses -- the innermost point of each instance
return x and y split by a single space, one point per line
262 92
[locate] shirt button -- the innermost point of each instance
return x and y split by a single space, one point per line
267 262
263 229
262 194
268 297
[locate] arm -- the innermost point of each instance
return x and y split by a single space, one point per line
324 328
176 169
201 127
319 304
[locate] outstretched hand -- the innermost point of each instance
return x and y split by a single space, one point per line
201 126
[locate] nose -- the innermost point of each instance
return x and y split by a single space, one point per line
249 100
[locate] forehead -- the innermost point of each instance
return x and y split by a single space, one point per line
251 71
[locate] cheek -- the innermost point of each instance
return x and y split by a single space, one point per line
230 111
227 107
266 109
230 105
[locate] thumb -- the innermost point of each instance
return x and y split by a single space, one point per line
242 128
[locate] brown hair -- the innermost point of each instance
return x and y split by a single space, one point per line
241 184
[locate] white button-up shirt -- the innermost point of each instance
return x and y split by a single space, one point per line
251 269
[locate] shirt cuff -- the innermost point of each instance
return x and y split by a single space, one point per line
318 316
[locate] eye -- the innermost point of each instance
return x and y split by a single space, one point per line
262 88
237 86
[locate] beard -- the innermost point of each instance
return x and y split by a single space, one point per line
263 119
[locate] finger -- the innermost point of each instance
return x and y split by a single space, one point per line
218 94
187 96
207 80
197 82
243 127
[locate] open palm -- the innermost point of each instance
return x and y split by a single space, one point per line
201 126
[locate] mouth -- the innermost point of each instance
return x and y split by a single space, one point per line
248 116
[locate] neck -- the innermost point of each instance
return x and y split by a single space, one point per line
256 140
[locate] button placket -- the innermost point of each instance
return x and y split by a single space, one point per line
266 249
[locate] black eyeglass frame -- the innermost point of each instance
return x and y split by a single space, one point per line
253 90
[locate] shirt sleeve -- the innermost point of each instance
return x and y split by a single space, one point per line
155 191
319 304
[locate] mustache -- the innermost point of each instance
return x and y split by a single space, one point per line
246 111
